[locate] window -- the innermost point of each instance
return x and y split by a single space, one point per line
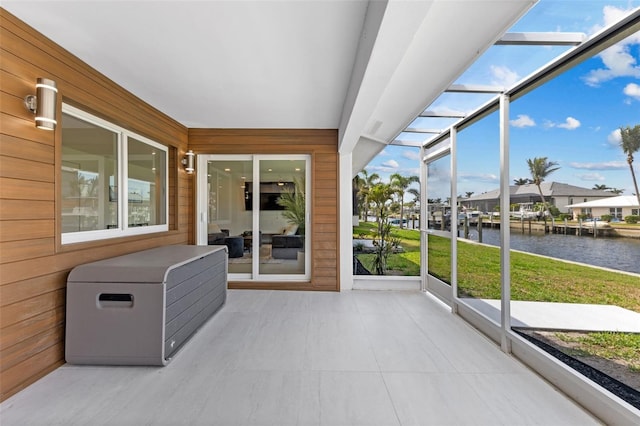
635 212
114 182
616 212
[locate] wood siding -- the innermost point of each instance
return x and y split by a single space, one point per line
33 264
322 146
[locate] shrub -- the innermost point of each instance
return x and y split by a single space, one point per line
606 217
583 216
632 218
564 216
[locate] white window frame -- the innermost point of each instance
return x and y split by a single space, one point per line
123 229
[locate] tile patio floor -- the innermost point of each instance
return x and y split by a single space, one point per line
308 358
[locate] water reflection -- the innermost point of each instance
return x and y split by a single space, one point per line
616 253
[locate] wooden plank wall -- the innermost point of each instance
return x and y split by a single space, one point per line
322 146
33 264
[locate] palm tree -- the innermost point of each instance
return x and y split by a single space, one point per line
380 196
616 190
469 194
600 187
400 185
358 197
365 183
540 168
630 144
521 181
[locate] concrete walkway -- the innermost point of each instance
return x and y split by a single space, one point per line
562 316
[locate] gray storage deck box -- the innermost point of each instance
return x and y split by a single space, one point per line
138 309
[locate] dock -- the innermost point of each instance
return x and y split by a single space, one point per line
592 229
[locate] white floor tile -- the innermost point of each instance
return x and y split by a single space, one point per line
339 343
504 394
437 399
399 345
355 398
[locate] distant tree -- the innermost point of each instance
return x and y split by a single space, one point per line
358 185
365 182
468 194
616 190
601 187
540 169
630 144
400 184
522 181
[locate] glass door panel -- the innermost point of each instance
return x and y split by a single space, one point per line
282 216
229 211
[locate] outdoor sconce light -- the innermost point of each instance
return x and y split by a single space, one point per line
189 162
43 104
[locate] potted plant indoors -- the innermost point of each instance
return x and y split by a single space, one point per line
294 203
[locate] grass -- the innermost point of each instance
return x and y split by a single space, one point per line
405 263
608 345
532 277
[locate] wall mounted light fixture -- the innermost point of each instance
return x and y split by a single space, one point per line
43 103
189 162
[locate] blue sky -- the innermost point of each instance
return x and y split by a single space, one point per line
573 119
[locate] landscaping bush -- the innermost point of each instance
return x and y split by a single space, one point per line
564 216
606 217
632 218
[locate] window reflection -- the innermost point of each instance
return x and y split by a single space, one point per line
89 176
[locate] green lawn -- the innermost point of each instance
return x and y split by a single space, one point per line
406 263
532 277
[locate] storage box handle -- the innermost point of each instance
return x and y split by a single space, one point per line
119 300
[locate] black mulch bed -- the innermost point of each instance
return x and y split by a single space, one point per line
614 386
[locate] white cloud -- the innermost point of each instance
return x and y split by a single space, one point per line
632 90
413 155
570 124
591 177
446 110
503 76
617 60
478 177
393 164
384 153
606 165
523 121
614 138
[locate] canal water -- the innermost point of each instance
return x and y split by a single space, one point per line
616 253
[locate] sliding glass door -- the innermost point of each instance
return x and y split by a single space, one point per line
258 206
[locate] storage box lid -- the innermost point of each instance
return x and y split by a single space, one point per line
148 266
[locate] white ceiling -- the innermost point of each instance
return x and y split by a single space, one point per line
365 68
